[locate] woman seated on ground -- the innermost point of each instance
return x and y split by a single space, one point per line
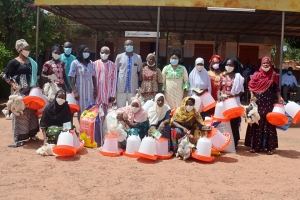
159 116
186 121
55 114
135 118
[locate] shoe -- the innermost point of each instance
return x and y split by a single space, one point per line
16 144
9 117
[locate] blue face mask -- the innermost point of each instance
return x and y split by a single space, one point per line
289 73
68 51
86 55
129 49
173 61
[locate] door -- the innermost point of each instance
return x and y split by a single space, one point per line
249 55
204 51
146 48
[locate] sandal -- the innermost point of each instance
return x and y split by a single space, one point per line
16 144
270 152
252 151
34 138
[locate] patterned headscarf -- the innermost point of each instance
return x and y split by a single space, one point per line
21 44
151 55
182 116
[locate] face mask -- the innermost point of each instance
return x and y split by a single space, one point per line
55 56
86 55
265 68
104 56
229 69
68 51
25 53
134 109
199 67
289 73
189 108
215 66
60 101
173 61
129 49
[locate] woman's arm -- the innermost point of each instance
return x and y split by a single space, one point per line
95 86
76 95
280 99
44 135
131 124
177 125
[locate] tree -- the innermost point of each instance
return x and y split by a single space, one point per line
293 42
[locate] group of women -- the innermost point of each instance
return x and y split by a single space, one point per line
172 89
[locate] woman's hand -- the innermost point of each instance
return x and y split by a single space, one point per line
150 130
206 128
14 86
186 131
280 100
76 95
252 98
95 94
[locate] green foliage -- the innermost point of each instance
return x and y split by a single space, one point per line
6 56
293 42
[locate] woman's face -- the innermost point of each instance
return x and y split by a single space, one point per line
27 48
135 104
174 57
215 61
189 103
160 101
151 60
56 51
266 63
61 95
86 50
229 63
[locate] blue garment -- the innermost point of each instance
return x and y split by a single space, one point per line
128 76
67 60
289 80
33 72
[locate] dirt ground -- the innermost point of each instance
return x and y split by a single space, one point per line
89 175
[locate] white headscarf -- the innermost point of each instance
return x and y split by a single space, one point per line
156 113
200 79
21 44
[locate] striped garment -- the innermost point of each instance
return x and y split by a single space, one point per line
106 80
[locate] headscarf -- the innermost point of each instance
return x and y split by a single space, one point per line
21 44
199 78
182 116
55 47
212 58
56 115
151 55
156 113
262 80
140 116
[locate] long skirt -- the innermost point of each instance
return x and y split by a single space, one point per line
26 126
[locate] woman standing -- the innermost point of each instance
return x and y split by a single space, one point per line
21 73
186 121
232 85
199 78
215 75
56 67
151 78
263 86
175 80
83 71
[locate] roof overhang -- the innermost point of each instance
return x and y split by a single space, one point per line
187 16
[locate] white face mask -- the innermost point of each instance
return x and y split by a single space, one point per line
199 67
189 108
55 56
229 69
150 65
266 69
134 109
60 101
25 53
104 56
215 66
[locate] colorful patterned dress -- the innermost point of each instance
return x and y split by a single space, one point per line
58 69
174 84
263 135
151 80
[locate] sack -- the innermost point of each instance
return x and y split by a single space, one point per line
90 126
52 134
